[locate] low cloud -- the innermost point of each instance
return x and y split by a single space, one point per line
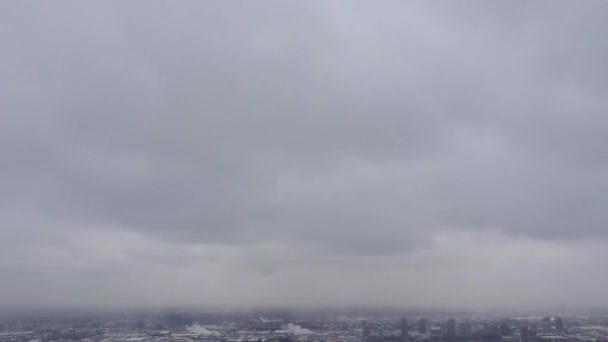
249 149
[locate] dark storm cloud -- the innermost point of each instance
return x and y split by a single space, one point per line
333 127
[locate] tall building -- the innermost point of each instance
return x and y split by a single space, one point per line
464 329
365 330
404 327
524 333
559 324
450 330
505 329
422 325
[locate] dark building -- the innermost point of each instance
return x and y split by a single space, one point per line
464 329
491 329
422 325
178 320
559 324
450 330
365 330
487 337
524 333
404 327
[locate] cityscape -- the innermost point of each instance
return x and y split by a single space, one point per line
187 326
303 171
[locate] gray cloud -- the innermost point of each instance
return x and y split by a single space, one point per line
335 129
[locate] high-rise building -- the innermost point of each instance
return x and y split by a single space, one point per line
524 333
422 325
505 329
464 329
450 330
365 327
559 324
404 327
365 330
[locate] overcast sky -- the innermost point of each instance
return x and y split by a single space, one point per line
304 153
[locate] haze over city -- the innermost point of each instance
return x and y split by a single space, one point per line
304 154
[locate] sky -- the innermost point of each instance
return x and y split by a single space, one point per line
303 153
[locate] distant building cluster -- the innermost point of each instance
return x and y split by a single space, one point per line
180 327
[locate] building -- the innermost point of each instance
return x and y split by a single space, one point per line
505 330
365 330
422 326
559 324
404 327
450 330
464 329
524 333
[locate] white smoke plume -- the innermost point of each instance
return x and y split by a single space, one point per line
269 320
200 330
297 330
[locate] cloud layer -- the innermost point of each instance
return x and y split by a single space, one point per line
352 153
